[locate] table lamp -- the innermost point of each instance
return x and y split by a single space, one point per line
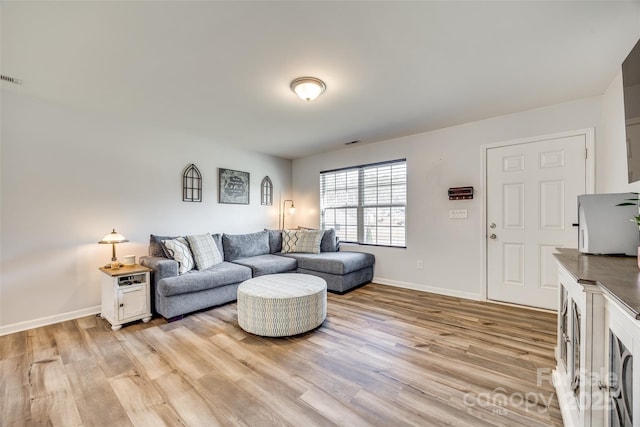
113 238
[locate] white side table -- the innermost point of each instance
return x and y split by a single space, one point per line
125 295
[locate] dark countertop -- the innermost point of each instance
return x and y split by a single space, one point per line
618 275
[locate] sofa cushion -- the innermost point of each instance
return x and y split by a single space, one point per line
268 264
245 245
275 240
155 245
218 239
225 273
178 249
333 262
204 250
329 241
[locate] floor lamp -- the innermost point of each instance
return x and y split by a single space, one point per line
292 210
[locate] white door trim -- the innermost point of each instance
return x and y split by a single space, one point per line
589 182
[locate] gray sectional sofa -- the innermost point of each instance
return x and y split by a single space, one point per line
246 256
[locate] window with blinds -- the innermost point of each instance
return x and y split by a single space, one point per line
366 204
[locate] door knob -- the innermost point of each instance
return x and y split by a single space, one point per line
492 225
492 236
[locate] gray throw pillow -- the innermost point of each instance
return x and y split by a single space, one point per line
275 240
218 239
329 241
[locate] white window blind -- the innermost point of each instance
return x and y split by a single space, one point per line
366 204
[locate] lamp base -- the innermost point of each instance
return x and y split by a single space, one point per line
114 265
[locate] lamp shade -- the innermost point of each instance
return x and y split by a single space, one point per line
113 237
308 88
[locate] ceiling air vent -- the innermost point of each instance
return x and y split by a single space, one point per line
10 79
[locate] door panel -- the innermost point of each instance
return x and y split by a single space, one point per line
532 191
551 205
514 206
513 264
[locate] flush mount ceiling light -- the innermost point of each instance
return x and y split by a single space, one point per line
308 88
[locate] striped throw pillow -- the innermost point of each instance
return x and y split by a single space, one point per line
178 249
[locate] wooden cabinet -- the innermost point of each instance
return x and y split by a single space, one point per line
622 365
597 374
125 295
580 350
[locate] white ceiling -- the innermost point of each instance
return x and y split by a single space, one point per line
221 70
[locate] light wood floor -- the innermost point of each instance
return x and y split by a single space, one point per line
384 357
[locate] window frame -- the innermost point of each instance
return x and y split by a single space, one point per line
361 206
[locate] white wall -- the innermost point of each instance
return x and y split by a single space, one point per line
451 157
68 177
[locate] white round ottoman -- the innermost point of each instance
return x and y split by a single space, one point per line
280 305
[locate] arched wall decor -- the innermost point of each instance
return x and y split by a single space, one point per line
266 191
191 184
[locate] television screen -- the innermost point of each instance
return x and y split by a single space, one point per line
631 84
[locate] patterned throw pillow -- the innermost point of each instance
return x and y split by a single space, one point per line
308 241
289 239
301 241
178 249
205 251
330 242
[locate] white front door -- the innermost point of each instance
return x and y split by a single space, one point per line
532 191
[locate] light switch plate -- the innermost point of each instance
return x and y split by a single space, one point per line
458 213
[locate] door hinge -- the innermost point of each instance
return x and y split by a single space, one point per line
586 153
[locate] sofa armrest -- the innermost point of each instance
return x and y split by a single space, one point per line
162 267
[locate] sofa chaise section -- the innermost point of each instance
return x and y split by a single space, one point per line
342 270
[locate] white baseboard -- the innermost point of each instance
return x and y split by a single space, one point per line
431 289
44 321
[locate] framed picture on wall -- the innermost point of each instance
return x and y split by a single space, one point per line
233 187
